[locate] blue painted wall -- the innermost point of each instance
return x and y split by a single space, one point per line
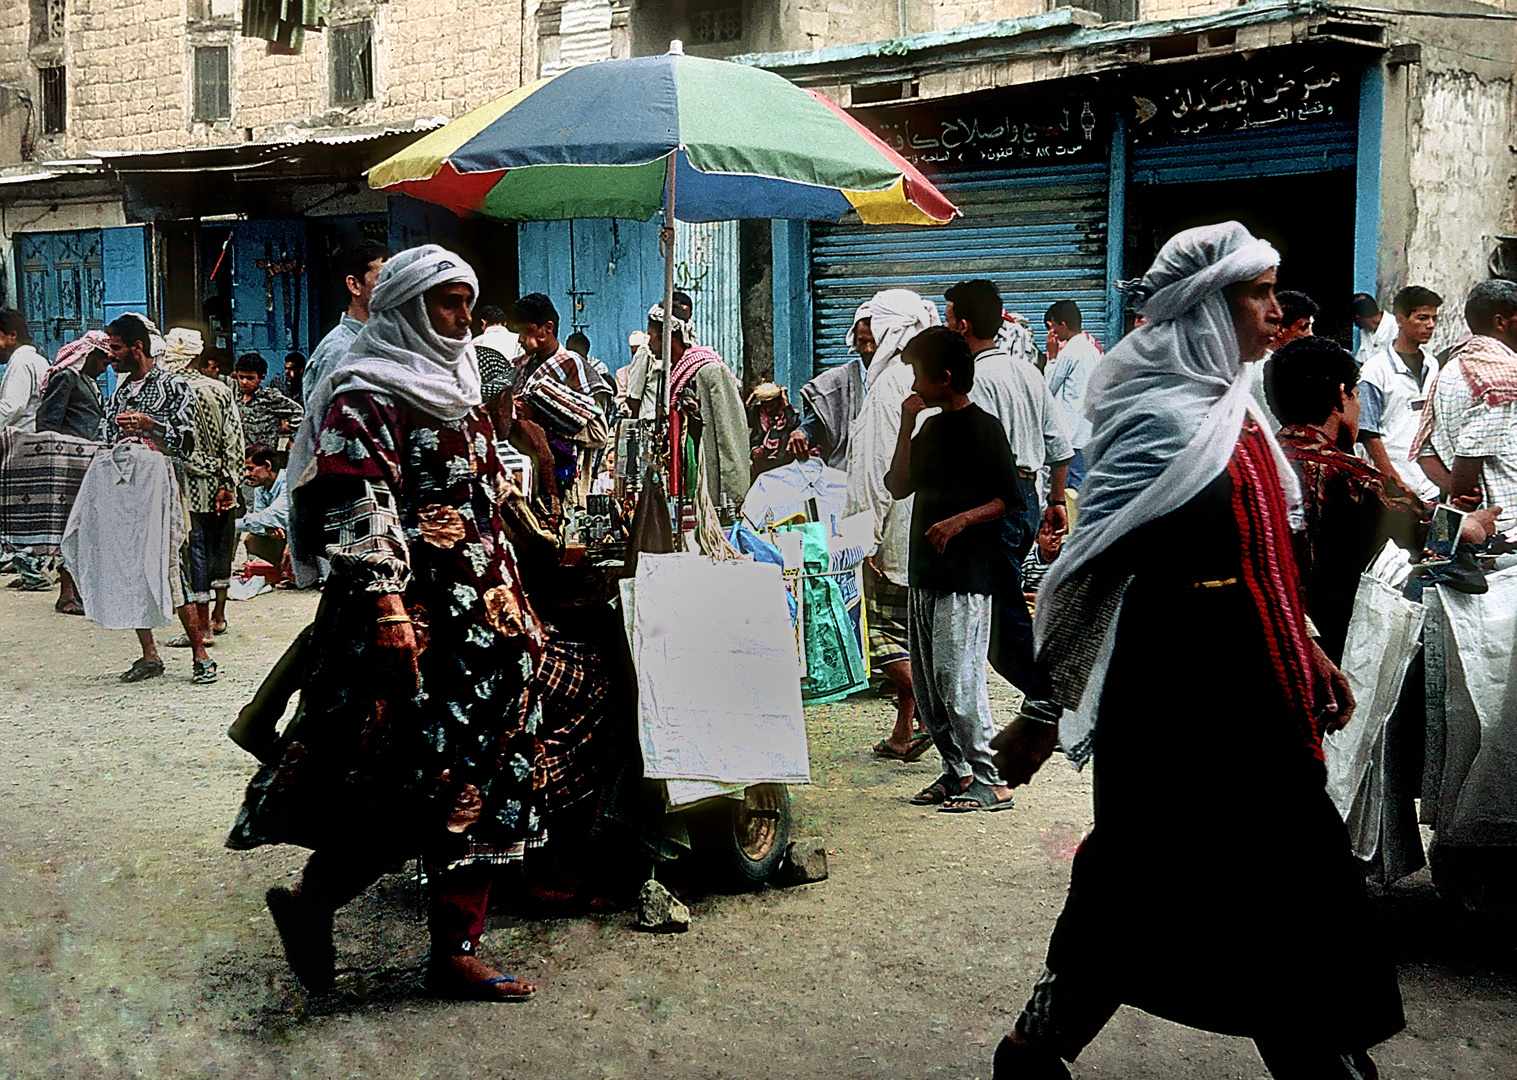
601 273
272 313
793 361
1367 184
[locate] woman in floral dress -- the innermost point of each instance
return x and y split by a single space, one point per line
417 730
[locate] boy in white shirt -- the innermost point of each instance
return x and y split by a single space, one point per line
1394 384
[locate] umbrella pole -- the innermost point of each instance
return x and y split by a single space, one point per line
666 241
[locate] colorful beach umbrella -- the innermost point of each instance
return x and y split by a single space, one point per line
597 140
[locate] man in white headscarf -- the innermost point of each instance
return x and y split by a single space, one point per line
1200 894
895 317
418 727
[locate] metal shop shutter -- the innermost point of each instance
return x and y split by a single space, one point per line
1307 148
1039 234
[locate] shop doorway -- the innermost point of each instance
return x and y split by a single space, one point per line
1308 217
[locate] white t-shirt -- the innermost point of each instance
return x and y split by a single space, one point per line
1391 400
1067 375
21 389
1014 393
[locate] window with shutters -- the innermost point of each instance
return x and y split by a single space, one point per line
213 83
715 23
48 20
54 99
352 49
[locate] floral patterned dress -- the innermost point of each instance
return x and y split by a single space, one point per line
403 503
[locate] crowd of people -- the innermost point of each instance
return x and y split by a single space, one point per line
1212 488
1031 508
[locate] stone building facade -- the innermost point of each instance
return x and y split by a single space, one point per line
144 75
151 131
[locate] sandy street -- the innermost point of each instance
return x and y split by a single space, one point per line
135 945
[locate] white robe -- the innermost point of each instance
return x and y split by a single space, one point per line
123 539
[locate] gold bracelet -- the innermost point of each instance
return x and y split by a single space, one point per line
386 620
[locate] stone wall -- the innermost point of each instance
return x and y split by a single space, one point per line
1462 186
131 71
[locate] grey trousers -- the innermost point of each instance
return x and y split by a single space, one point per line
950 637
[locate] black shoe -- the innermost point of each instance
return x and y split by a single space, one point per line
307 940
1014 1061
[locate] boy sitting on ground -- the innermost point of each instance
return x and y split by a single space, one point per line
1038 561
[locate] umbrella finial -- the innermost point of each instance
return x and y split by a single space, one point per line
676 48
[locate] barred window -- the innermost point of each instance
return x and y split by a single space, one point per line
54 99
213 83
352 63
716 23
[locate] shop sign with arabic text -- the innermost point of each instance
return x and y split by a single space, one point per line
1260 96
971 136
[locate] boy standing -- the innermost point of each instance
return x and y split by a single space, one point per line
1394 384
960 469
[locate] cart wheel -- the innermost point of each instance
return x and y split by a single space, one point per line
745 841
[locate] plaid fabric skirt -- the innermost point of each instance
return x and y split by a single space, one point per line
578 732
885 603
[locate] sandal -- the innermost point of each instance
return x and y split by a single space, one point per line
71 606
976 796
307 942
935 792
915 748
142 669
204 672
218 627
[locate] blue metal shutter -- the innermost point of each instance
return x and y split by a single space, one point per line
1306 148
1039 234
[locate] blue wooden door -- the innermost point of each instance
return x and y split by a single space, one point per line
602 275
62 285
271 300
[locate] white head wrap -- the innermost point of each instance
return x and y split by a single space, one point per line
895 317
180 347
680 326
398 354
1167 405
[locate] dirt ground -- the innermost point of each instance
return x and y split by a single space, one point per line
132 944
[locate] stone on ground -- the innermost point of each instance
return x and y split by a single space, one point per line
805 861
659 912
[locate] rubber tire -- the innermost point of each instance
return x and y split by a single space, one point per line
719 834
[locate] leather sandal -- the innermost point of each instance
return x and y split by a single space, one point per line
142 669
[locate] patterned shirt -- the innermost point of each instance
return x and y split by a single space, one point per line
262 415
216 463
566 367
1351 511
166 398
1464 426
